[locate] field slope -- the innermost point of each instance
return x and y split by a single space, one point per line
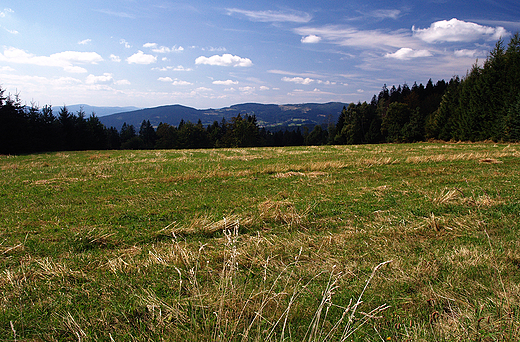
334 243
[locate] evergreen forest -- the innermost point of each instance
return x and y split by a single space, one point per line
482 105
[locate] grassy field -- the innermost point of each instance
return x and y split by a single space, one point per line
412 242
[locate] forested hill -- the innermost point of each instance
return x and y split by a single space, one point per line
483 105
270 116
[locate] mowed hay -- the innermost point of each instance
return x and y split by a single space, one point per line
284 212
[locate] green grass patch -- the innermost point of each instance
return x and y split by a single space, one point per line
332 243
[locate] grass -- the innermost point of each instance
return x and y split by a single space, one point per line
411 242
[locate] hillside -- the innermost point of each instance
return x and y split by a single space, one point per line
268 115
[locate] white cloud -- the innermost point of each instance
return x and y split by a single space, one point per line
122 82
125 43
348 36
224 60
273 16
172 68
12 31
80 57
456 30
141 58
181 83
6 68
227 82
326 82
64 59
407 53
181 68
105 78
264 88
5 11
469 53
165 79
384 14
115 58
311 39
247 90
214 49
85 42
163 49
298 80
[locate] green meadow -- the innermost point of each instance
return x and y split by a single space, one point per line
394 242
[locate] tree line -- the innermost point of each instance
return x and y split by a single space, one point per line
483 105
29 129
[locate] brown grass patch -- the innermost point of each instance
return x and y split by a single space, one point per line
490 161
205 225
313 174
283 211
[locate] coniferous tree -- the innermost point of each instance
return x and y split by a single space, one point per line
12 125
147 134
167 136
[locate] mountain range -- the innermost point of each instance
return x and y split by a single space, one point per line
99 111
270 116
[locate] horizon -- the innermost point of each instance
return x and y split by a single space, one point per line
207 56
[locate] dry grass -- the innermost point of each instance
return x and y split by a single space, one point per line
283 212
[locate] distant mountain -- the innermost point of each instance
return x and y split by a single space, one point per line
99 111
271 116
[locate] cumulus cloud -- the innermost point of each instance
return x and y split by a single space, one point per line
80 57
141 58
224 60
125 43
326 82
181 68
64 59
227 82
264 88
298 80
122 82
455 30
165 79
273 16
115 58
407 53
247 90
105 78
311 39
181 83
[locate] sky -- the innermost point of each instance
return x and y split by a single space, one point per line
213 54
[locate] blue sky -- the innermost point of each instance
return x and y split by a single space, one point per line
212 54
